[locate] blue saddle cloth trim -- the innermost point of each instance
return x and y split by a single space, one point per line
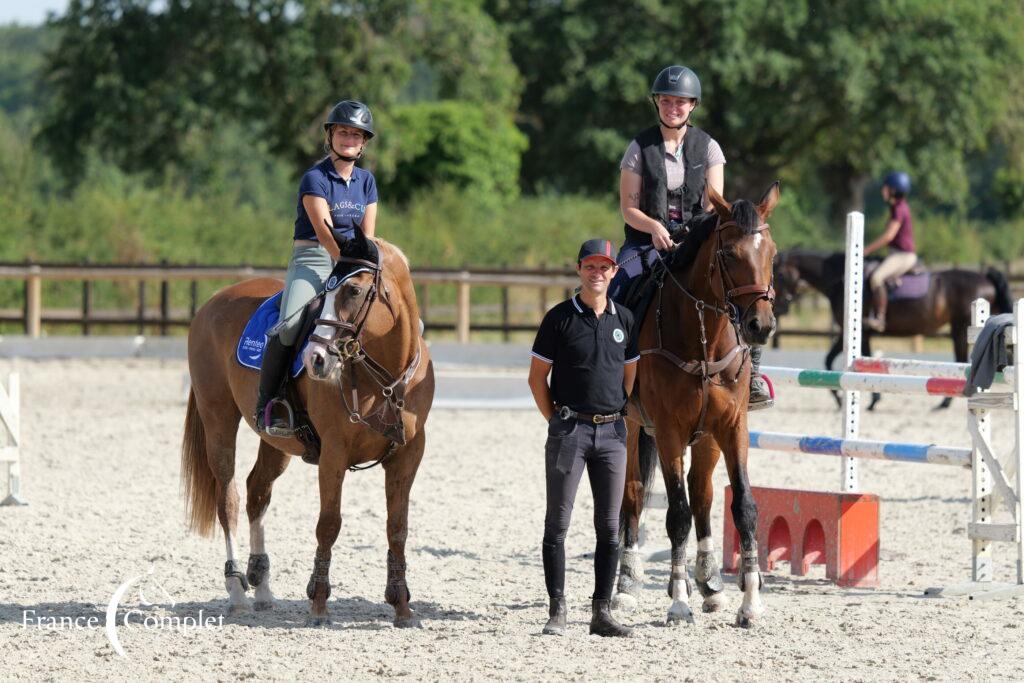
254 337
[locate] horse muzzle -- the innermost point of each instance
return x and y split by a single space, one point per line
758 325
319 364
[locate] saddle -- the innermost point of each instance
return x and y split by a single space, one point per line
250 354
913 284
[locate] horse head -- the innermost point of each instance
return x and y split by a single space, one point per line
743 256
787 278
351 290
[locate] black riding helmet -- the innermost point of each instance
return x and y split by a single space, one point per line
677 81
352 114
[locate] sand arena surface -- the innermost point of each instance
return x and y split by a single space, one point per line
100 470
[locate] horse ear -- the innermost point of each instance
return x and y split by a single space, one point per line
768 201
718 203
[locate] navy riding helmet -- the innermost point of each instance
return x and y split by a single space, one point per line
898 182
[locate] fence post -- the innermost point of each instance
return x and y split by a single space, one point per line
425 306
193 293
506 334
165 303
34 303
462 321
543 293
142 307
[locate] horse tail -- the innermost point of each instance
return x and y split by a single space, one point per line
647 456
198 484
1003 302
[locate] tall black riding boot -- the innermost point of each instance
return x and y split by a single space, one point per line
554 578
272 371
606 559
760 393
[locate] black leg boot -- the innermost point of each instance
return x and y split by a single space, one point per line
606 558
272 371
760 393
554 579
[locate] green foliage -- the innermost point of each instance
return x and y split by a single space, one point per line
466 145
159 72
855 88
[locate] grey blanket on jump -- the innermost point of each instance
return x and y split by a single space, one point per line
989 355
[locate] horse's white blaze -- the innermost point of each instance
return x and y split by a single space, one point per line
316 350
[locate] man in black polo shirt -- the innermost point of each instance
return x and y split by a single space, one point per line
584 343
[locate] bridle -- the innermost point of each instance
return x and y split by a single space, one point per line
347 346
705 368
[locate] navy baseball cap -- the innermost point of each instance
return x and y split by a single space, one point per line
596 247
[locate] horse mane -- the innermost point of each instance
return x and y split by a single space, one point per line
743 213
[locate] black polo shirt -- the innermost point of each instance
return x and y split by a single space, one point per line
587 355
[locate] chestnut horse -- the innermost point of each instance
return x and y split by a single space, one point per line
368 373
694 381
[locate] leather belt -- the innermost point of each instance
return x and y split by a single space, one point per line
306 243
567 413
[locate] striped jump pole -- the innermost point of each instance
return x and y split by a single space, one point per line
858 381
862 448
903 366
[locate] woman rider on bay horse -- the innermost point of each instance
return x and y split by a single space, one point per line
335 197
662 185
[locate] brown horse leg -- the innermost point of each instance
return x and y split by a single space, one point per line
705 569
733 440
270 463
332 476
399 473
678 520
640 455
221 431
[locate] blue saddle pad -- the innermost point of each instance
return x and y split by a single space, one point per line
254 336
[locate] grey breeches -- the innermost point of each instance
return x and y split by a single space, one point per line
308 269
601 449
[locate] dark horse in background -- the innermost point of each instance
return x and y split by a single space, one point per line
947 301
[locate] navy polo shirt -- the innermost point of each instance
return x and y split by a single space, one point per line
347 200
587 355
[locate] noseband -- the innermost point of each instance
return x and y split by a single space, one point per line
349 349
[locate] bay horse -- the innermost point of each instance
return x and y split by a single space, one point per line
693 385
368 387
947 301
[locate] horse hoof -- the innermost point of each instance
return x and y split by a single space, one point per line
263 605
713 603
318 622
408 622
238 608
747 621
624 602
679 620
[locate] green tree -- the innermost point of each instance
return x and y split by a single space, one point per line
853 87
135 79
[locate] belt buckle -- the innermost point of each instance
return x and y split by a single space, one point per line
598 419
564 413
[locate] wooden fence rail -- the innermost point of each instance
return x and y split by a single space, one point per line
33 315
